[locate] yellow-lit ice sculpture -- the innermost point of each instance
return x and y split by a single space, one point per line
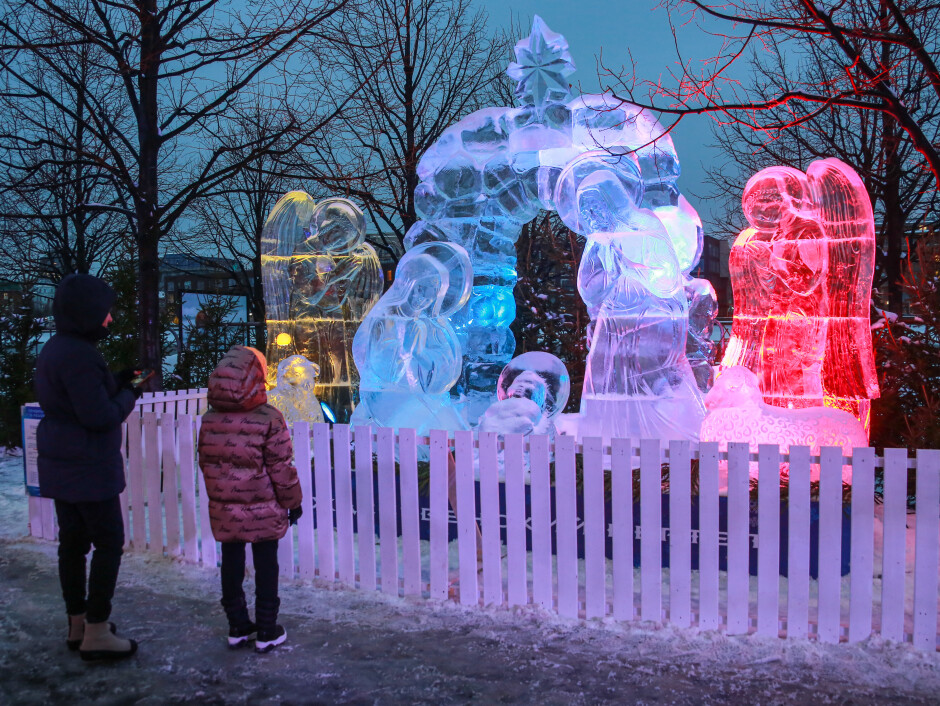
294 394
320 279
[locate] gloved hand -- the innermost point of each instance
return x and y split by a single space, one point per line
124 377
294 514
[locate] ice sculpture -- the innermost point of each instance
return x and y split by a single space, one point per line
406 350
294 394
532 391
699 348
737 412
495 169
801 276
637 382
320 278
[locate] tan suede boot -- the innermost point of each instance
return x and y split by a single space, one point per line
101 643
76 631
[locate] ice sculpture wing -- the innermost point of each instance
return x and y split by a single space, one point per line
285 227
849 376
366 286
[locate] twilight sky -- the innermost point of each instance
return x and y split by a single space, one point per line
616 29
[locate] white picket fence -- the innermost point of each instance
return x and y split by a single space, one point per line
175 402
490 570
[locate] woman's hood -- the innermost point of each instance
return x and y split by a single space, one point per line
81 304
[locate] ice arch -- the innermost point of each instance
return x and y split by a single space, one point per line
494 170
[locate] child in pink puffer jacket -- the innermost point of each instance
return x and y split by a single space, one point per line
246 457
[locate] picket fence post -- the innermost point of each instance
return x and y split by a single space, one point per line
926 550
305 533
344 504
798 540
489 519
893 555
768 540
566 527
621 498
466 519
739 456
595 568
709 613
651 553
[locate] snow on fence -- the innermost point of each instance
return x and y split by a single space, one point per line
576 530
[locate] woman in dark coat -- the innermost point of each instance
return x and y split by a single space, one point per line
80 464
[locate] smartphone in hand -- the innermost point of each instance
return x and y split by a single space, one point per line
142 377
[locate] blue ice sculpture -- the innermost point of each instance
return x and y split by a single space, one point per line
495 169
480 183
406 350
637 382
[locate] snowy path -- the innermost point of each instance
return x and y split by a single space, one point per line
348 647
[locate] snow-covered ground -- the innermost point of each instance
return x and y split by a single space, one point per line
351 647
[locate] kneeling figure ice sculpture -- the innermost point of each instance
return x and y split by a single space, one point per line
532 391
293 395
406 350
737 412
638 382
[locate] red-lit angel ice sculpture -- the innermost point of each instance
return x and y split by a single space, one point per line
801 276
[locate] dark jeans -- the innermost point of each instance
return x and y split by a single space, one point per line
233 570
81 526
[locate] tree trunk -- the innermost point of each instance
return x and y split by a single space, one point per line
148 196
891 198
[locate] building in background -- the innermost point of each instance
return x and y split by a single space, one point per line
713 266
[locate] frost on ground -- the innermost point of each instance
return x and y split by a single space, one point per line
351 647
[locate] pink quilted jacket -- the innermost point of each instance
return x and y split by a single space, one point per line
245 454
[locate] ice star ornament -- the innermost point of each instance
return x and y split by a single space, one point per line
541 65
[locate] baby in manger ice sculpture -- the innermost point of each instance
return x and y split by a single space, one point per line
531 392
294 394
638 382
802 277
406 350
320 279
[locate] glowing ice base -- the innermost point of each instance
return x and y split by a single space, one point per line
738 413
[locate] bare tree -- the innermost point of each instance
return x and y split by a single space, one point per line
228 222
434 62
868 41
183 68
48 226
901 190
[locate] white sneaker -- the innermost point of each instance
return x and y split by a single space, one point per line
268 639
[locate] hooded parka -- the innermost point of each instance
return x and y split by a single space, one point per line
245 454
79 438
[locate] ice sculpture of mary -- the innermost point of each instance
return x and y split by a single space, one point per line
638 382
406 350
